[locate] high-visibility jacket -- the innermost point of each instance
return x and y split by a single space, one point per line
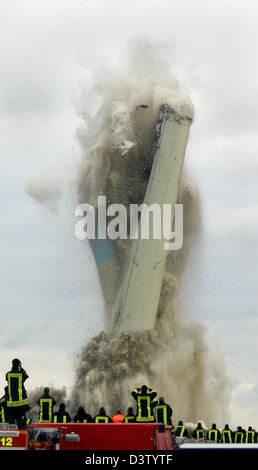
180 431
46 404
16 393
25 421
227 436
62 417
102 419
82 418
144 412
239 437
129 419
163 414
3 409
250 437
118 418
213 435
199 433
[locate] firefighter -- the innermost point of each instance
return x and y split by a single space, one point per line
102 417
250 436
46 407
199 432
118 417
213 434
239 436
82 416
130 418
180 430
62 416
17 401
25 421
144 396
163 412
227 435
3 409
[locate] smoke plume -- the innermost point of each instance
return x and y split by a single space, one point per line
116 160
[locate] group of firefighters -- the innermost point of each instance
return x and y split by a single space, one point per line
14 406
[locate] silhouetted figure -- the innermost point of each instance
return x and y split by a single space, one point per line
227 436
130 418
239 436
199 432
46 407
180 430
213 434
17 401
250 436
144 397
163 412
3 407
82 416
62 416
102 417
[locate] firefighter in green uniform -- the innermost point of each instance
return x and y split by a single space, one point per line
213 434
17 401
25 421
129 418
46 407
62 416
102 417
81 416
180 430
250 436
163 412
239 436
3 407
199 432
144 397
227 435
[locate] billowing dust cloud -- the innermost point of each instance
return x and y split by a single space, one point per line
120 113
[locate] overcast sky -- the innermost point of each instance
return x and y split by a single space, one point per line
50 298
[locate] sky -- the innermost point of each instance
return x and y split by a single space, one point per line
50 299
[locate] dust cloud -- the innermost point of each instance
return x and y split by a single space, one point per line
116 141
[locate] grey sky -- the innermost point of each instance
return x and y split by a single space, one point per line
50 299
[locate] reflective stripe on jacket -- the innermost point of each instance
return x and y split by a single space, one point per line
239 437
200 433
227 436
213 435
46 410
130 419
62 417
144 411
179 431
250 437
16 392
101 419
160 413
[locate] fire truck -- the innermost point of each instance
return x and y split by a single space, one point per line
87 436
